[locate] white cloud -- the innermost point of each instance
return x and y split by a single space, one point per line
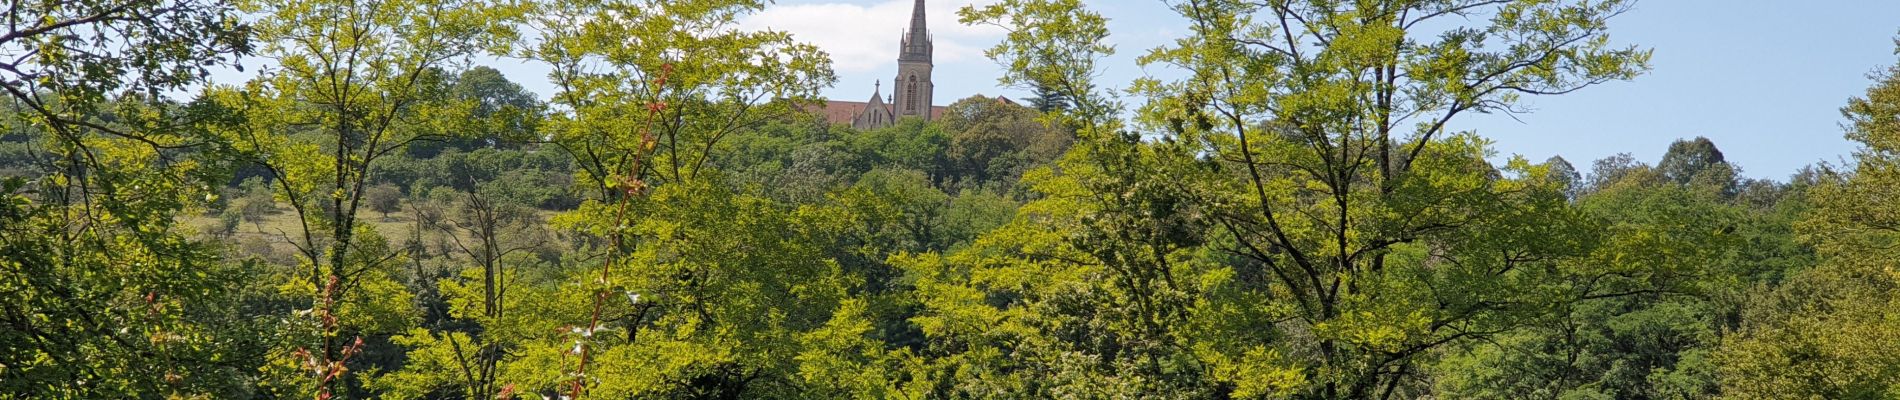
864 37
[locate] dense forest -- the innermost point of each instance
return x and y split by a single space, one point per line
372 212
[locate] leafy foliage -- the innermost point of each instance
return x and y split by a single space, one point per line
1287 217
1818 334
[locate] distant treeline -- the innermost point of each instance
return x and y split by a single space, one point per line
372 215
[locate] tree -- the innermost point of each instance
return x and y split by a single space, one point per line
1822 334
797 159
1688 158
1609 170
1698 162
1285 216
73 56
256 206
1046 99
732 81
648 91
1668 265
384 199
354 82
1562 171
228 221
914 145
993 141
508 113
100 295
1286 147
503 113
490 307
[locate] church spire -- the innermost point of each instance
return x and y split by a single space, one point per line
916 41
917 16
911 89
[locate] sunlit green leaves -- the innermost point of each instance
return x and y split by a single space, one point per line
1305 150
1816 335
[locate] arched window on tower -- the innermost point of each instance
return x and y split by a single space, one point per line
910 95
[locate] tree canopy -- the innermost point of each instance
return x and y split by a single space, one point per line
375 210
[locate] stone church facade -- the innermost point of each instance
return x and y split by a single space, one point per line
911 91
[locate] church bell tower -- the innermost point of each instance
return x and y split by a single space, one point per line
912 88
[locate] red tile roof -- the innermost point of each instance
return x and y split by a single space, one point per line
838 112
841 112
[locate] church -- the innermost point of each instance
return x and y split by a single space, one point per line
910 91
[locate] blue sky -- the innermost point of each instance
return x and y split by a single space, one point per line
1764 80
